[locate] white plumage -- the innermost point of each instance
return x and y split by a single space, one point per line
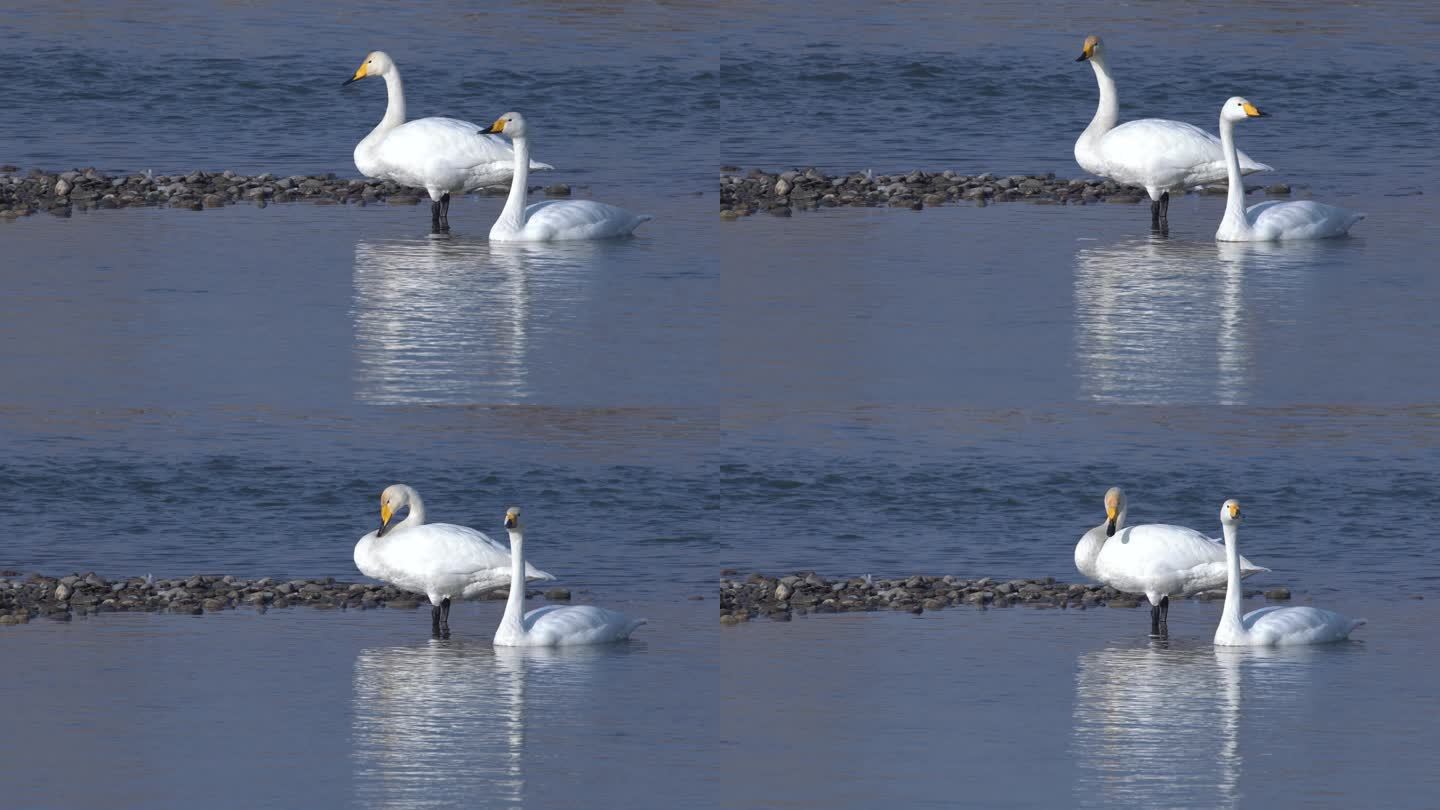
440 560
1272 220
1159 154
1270 626
440 155
552 220
553 625
1156 559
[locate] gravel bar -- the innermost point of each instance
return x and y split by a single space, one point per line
60 193
23 598
810 188
743 598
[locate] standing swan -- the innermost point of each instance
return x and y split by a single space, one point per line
440 560
552 625
1270 221
552 220
1157 153
1270 626
440 155
1155 559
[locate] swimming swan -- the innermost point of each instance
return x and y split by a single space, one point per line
1155 559
1270 626
1273 220
440 155
552 625
1157 153
440 560
552 220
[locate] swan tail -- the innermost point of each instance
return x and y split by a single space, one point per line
536 575
648 217
634 625
1253 166
536 165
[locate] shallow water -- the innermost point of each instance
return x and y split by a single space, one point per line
857 391
1076 708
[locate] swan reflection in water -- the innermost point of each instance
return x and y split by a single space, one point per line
1159 726
441 321
444 722
1172 322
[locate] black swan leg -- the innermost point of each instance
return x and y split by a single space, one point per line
1154 620
1155 213
1165 207
434 216
435 621
445 617
445 212
1165 616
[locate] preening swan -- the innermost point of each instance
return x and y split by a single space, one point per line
552 625
1273 220
1155 559
1269 626
440 155
1157 153
440 560
552 220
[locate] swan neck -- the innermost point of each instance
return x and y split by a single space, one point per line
1233 592
1107 112
395 101
514 213
1235 197
416 517
1087 551
515 604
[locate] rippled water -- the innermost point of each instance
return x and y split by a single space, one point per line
856 391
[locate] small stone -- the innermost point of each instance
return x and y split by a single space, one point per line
558 190
783 591
558 594
725 618
1278 593
62 592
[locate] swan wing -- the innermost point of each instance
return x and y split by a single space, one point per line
554 220
435 550
555 625
1300 219
1162 153
447 154
1298 625
1157 558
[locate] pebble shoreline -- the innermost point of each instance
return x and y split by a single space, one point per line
743 598
61 193
810 188
23 598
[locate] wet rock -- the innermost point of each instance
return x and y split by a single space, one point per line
1278 593
558 594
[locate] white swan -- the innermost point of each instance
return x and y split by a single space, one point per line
440 560
552 625
1155 559
1273 220
1157 153
440 155
1269 626
552 220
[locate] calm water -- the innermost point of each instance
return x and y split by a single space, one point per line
856 391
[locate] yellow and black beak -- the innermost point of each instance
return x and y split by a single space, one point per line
385 514
509 521
1253 111
1085 54
360 73
1111 515
495 129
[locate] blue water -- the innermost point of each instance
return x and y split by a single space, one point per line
849 391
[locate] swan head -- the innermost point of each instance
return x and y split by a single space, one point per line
1238 109
511 124
1090 50
1114 507
512 519
377 63
392 500
1230 513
